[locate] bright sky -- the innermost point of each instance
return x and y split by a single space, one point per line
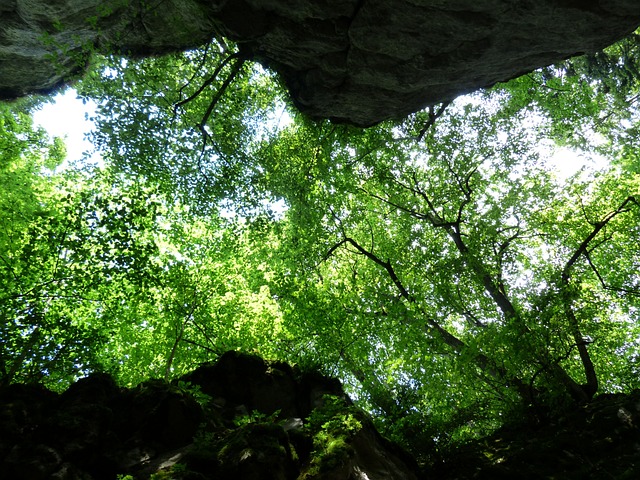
67 117
567 162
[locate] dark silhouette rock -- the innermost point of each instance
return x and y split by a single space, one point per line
210 425
595 441
350 60
249 383
240 418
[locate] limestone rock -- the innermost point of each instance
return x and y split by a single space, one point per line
357 61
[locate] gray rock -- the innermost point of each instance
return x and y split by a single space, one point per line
355 61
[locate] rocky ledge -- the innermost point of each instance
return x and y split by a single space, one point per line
244 418
240 418
600 440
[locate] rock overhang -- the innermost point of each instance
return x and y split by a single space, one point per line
353 61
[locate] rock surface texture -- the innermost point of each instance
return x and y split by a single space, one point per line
358 61
241 418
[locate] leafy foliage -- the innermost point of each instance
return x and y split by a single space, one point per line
332 426
437 264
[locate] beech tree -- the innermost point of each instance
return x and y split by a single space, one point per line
437 265
35 331
458 269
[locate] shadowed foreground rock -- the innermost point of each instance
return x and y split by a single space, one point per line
597 441
358 61
240 419
246 419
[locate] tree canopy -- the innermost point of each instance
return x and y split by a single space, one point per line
438 265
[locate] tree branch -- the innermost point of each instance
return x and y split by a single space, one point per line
591 387
604 284
375 259
204 347
216 98
597 227
207 82
484 362
433 116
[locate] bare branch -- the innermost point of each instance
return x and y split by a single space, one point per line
454 231
204 347
375 259
484 362
433 116
604 285
208 81
203 60
467 313
412 212
583 248
214 101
